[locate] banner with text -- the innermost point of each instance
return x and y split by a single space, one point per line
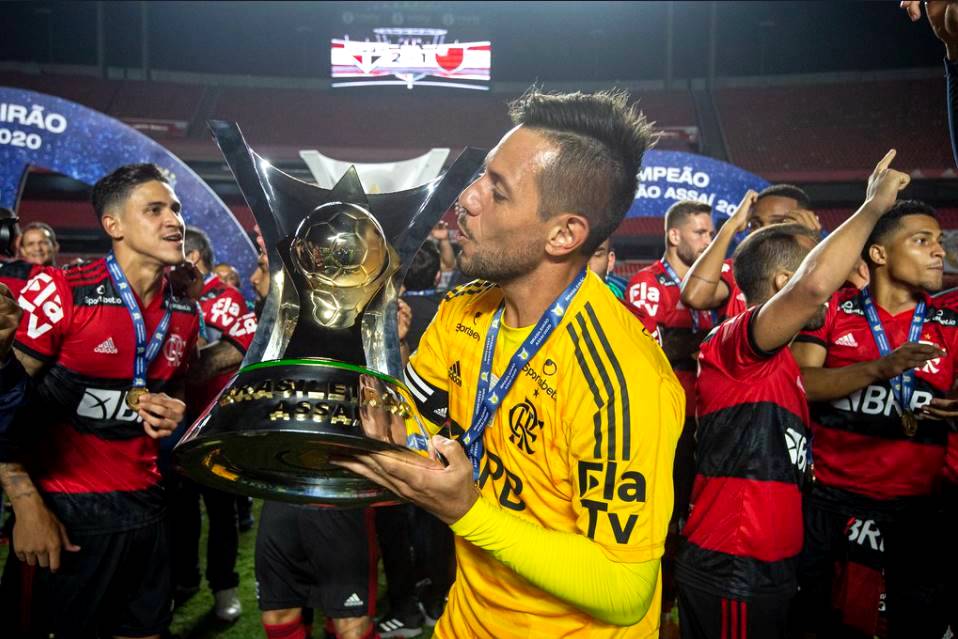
669 176
55 134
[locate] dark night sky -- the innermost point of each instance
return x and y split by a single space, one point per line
549 41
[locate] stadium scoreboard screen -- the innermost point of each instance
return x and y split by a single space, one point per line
410 57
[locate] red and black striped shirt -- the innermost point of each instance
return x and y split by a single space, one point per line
93 461
745 521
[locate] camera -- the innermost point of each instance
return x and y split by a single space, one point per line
9 231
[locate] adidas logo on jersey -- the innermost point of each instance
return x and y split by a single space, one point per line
353 600
107 347
455 374
847 340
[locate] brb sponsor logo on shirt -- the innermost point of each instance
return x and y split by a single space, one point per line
101 404
879 400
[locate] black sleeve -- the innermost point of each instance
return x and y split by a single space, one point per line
14 385
951 78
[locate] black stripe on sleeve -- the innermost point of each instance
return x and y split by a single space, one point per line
623 393
583 365
606 381
810 339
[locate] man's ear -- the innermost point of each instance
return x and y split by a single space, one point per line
877 254
112 226
781 279
674 236
567 233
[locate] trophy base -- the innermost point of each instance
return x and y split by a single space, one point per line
273 429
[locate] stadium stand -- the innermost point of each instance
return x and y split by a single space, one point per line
831 131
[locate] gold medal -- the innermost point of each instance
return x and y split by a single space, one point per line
133 396
910 423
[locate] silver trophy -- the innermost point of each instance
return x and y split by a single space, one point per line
323 375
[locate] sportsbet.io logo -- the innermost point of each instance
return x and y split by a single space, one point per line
462 328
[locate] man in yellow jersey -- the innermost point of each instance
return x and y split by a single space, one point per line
561 414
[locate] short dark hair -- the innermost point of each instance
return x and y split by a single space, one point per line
766 250
600 140
682 210
41 226
890 221
112 189
422 272
786 190
197 240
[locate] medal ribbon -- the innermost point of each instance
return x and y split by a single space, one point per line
144 353
697 316
489 398
903 386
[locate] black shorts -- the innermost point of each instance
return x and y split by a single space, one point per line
116 584
870 570
703 615
316 558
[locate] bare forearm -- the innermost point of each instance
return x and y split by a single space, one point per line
828 264
702 287
214 360
447 256
17 484
826 384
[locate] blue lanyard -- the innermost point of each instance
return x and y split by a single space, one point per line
489 398
144 354
696 315
903 386
423 293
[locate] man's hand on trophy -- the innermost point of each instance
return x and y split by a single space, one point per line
447 491
10 313
160 413
404 317
186 280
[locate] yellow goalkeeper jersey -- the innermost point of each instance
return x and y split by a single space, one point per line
583 443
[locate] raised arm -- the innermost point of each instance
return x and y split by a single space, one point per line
824 270
702 287
943 17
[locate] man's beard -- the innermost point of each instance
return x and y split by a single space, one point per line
816 321
686 255
501 264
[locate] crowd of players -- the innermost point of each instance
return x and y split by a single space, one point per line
761 446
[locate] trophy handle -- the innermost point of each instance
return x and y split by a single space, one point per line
380 330
258 181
